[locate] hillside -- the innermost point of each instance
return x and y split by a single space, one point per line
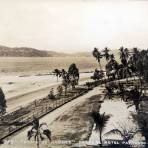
21 52
31 52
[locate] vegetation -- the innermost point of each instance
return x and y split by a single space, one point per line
97 54
60 90
100 121
106 53
133 63
2 102
109 92
38 132
98 75
135 96
51 94
57 73
70 77
73 73
125 131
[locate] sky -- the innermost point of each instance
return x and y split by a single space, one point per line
74 25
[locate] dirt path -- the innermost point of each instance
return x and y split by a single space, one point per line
70 118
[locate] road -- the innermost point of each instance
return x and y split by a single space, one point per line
20 139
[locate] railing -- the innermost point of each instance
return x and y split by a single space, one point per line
39 111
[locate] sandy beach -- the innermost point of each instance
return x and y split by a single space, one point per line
20 90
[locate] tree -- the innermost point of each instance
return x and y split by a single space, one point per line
98 74
100 121
51 94
111 67
60 90
123 55
38 131
135 53
73 73
109 92
145 67
126 52
106 53
143 124
98 56
112 57
2 102
122 91
124 72
138 63
65 81
135 96
125 131
135 57
57 73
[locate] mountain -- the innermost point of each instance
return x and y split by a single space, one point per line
21 52
32 52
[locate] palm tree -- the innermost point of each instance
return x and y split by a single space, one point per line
98 56
124 72
38 132
57 73
121 52
100 121
123 56
112 56
122 91
111 67
126 134
135 96
2 102
145 67
65 81
142 121
97 75
127 53
60 90
109 92
73 73
135 56
106 53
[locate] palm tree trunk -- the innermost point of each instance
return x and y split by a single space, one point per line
65 90
38 142
100 138
100 66
126 73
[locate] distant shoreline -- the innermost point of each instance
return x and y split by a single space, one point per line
40 65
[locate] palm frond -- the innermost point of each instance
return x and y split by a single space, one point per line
47 132
130 105
114 131
99 119
43 124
